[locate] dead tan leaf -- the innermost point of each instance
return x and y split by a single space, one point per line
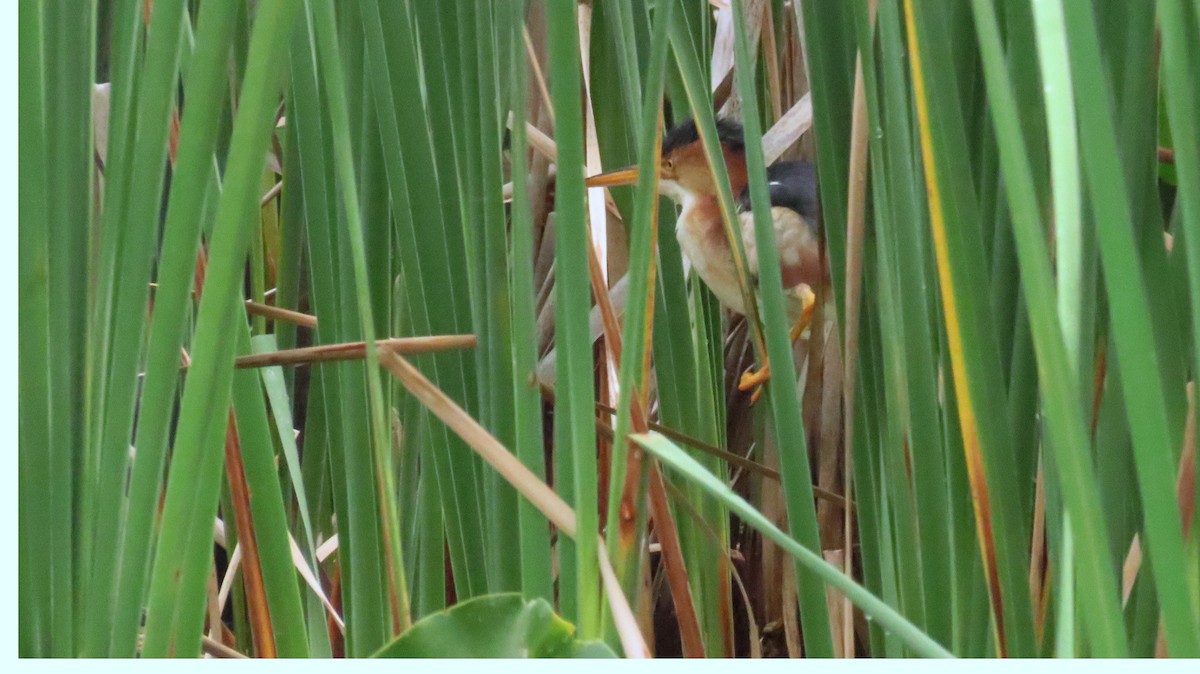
788 130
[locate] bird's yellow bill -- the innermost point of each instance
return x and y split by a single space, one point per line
625 176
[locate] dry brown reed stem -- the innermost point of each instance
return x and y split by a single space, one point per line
266 310
270 194
217 649
538 76
855 217
280 314
788 129
1185 490
256 596
212 606
357 350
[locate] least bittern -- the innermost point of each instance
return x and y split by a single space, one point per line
685 177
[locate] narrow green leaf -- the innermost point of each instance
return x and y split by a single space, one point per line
974 347
1132 329
643 239
67 42
1061 398
1180 59
35 592
131 273
575 431
495 350
537 579
177 592
193 183
434 261
329 60
781 390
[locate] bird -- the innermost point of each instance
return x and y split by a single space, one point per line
686 178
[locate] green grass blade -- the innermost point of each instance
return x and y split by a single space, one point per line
781 390
177 584
124 48
343 387
131 274
920 527
1062 400
537 579
433 259
339 390
331 70
829 35
700 103
431 587
973 344
35 592
1132 329
909 366
67 42
495 348
643 237
575 431
1064 628
619 16
291 246
1180 59
1064 159
192 184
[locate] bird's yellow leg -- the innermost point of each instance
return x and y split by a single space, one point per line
754 379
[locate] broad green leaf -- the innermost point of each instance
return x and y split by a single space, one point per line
494 626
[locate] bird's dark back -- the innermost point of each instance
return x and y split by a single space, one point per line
792 184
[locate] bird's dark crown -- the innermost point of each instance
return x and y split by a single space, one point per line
729 133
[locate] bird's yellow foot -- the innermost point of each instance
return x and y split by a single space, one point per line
754 379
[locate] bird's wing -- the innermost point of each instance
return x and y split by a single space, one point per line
792 184
796 217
